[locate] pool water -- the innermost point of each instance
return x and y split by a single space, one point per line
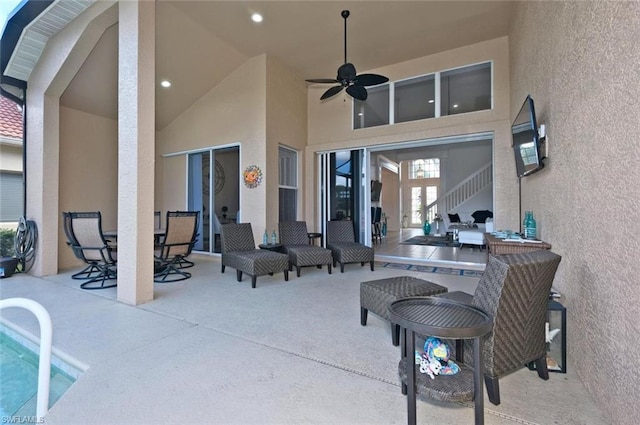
19 377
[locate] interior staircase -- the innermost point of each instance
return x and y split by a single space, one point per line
462 192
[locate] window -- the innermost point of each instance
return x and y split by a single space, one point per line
450 92
11 199
424 168
465 89
416 205
375 110
288 184
415 99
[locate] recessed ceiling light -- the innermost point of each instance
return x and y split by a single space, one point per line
165 83
256 17
360 114
431 101
455 105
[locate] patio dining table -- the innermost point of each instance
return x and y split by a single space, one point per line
157 233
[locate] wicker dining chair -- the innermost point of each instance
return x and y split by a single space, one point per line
514 289
85 237
295 241
239 252
341 240
180 237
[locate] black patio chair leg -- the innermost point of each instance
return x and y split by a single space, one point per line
222 268
86 273
329 268
286 275
298 271
239 275
363 316
253 281
493 389
341 268
105 274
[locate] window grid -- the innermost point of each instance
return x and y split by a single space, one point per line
424 169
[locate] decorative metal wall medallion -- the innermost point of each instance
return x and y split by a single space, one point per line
252 176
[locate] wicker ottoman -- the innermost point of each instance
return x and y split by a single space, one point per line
377 295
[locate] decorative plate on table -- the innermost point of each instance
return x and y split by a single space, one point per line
252 176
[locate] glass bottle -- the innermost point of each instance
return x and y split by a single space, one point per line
274 238
265 238
530 229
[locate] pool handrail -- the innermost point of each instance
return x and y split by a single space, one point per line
46 337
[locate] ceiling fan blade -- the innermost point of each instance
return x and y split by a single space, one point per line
346 72
331 92
370 79
322 80
357 92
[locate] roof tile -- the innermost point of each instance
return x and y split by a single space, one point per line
10 119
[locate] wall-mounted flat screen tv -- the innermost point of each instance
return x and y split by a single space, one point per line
526 143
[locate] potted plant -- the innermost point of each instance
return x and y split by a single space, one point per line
8 260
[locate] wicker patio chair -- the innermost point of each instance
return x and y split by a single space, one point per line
514 289
85 237
181 235
341 240
239 251
295 241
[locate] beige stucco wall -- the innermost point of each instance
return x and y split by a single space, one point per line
60 61
232 112
579 61
88 172
339 135
11 157
286 125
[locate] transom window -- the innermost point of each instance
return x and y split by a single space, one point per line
424 169
448 92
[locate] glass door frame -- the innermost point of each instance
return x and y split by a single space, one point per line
361 192
211 204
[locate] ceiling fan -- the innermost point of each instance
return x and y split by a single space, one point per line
347 77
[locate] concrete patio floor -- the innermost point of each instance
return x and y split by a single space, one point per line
210 350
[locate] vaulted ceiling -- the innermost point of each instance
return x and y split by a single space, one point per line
198 43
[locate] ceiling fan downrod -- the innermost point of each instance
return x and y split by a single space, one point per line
345 15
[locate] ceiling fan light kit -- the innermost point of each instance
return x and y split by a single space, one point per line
347 78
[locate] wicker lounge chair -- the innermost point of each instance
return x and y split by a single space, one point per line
514 289
341 241
84 236
239 251
295 240
181 235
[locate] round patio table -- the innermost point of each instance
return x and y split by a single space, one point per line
443 318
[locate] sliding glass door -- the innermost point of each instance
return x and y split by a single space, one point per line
213 189
341 189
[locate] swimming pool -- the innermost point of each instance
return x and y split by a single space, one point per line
19 372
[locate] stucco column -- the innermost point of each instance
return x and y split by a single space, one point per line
43 112
136 150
